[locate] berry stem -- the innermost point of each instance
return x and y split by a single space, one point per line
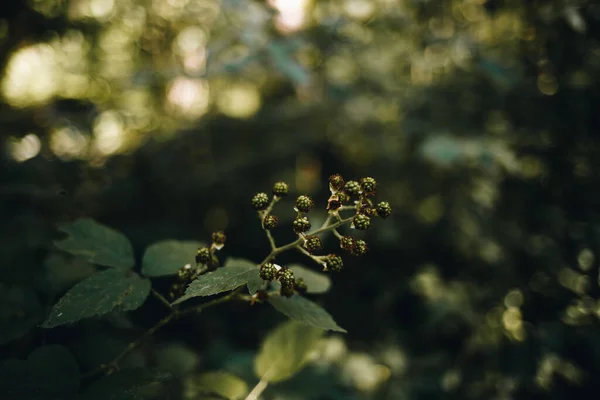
257 390
325 227
173 315
316 259
263 215
161 298
336 233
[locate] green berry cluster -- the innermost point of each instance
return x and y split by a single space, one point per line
313 244
301 224
270 222
268 271
286 278
361 222
334 263
280 189
203 255
304 204
260 201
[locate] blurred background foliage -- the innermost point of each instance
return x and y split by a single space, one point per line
161 118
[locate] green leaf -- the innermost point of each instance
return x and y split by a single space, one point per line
316 282
176 358
303 310
128 384
219 383
99 294
254 282
50 373
286 351
223 279
97 243
166 257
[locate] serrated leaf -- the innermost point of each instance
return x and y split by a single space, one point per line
126 384
285 351
316 282
97 243
303 310
167 257
99 294
220 383
222 280
50 373
254 282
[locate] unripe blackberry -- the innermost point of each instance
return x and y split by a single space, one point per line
304 203
361 248
361 222
270 222
301 225
267 272
286 291
285 276
384 209
219 238
334 263
347 243
343 196
336 182
300 286
203 255
313 244
260 201
368 185
352 188
280 189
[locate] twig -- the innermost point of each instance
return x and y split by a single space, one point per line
175 314
258 389
162 299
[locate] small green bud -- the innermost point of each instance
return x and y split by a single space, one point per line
219 238
301 225
334 263
260 201
352 188
313 244
270 222
361 222
384 209
203 255
280 189
304 203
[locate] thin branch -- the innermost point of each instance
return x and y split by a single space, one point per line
258 389
162 299
175 314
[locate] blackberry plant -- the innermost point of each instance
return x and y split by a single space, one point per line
197 271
